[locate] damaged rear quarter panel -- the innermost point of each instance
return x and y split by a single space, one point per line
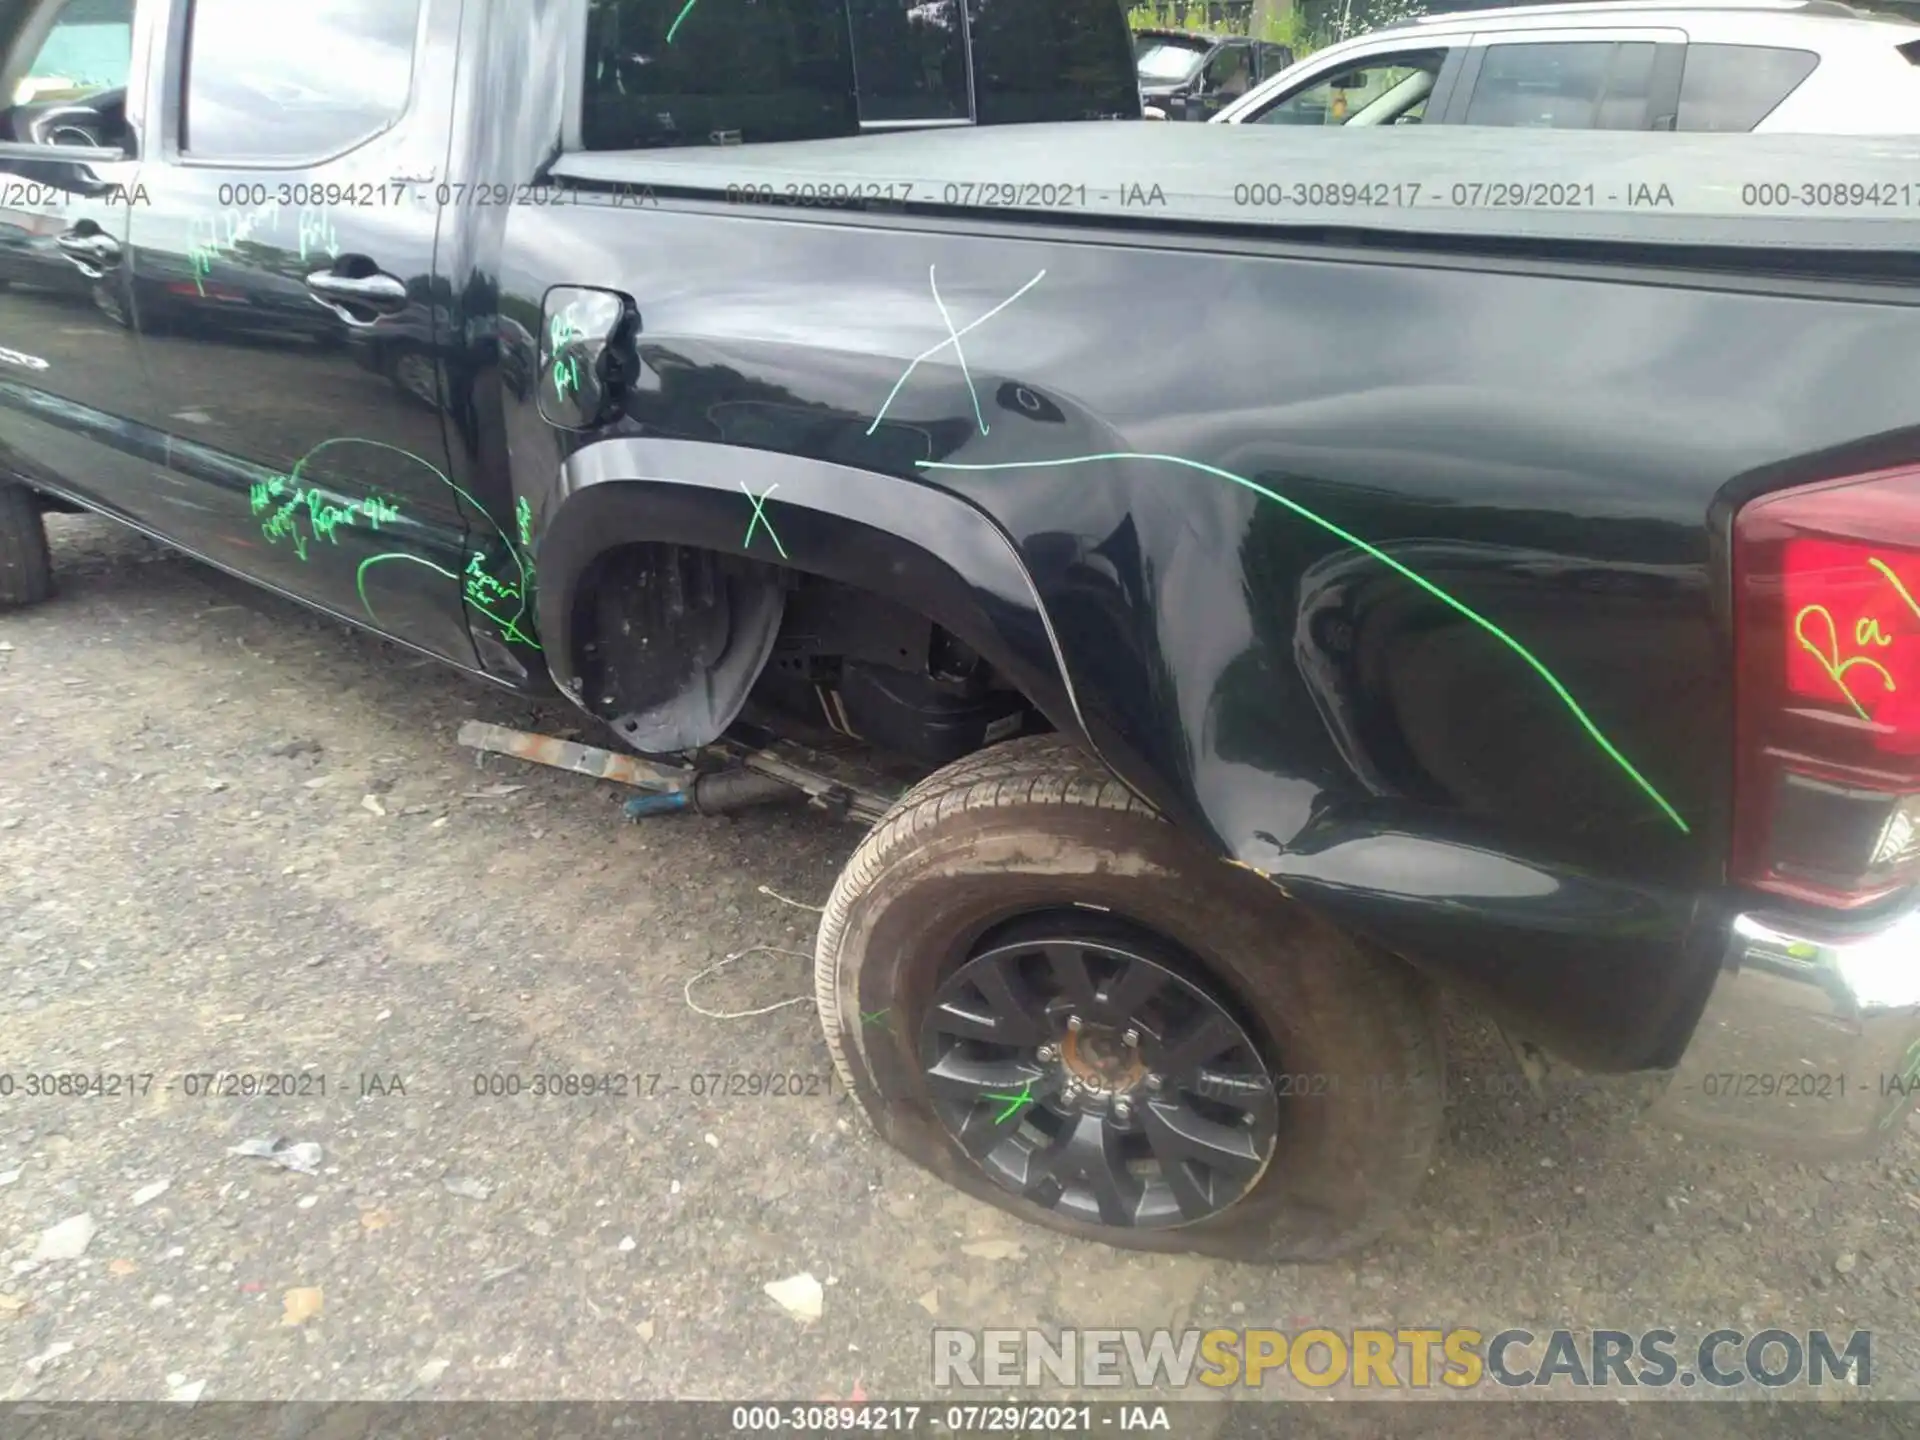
1393 581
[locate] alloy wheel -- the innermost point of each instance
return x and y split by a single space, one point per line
1089 1077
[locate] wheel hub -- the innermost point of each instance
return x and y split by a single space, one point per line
1100 1060
1091 1078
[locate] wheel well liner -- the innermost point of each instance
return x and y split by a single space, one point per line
902 539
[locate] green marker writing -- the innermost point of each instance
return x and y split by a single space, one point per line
322 516
484 592
1539 668
1015 1103
760 517
317 234
685 10
561 331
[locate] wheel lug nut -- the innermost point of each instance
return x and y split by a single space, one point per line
1045 1053
1131 1039
1073 1022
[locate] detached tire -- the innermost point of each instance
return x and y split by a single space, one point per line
1051 998
26 569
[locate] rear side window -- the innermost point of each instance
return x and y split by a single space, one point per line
1629 88
305 82
1735 87
716 72
909 60
1571 85
743 72
1036 60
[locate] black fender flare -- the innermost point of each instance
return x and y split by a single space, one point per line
910 542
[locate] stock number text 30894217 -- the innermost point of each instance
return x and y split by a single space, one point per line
642 1085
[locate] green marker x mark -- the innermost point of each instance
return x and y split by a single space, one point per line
876 1017
760 517
1014 1103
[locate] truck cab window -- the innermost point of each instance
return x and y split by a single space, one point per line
910 60
1062 60
1270 60
309 82
1373 90
669 72
73 90
1168 59
1230 72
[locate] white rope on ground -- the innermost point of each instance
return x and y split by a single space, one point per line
797 904
700 1009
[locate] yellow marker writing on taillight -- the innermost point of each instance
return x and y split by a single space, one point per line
1829 658
1894 580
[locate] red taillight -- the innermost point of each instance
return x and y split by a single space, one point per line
1827 638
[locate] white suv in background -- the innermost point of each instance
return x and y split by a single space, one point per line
1781 66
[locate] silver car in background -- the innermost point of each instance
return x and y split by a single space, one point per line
1780 66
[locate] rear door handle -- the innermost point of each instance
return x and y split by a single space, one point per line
378 293
93 250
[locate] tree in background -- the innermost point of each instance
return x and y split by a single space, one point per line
1304 25
1355 17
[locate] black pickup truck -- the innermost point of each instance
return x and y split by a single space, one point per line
1496 574
1194 74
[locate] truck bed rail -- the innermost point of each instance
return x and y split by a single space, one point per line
1753 193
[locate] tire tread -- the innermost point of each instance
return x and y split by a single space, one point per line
26 567
1051 770
1032 770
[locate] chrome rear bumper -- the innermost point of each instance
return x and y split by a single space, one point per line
1810 1042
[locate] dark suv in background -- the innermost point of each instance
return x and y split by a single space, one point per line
1194 75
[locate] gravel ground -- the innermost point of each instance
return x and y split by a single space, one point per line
237 837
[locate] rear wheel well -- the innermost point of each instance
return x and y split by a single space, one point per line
672 643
